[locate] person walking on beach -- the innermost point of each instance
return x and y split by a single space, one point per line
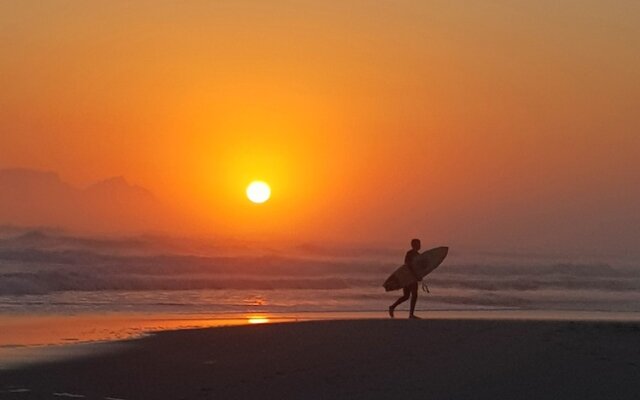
412 289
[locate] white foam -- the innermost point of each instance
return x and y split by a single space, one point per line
19 390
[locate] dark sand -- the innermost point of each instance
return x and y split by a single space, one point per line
357 359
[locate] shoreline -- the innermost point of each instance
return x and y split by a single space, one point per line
28 339
354 359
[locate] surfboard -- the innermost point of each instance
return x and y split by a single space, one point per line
422 265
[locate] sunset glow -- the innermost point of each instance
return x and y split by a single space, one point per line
474 124
319 167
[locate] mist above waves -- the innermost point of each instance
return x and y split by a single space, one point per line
40 262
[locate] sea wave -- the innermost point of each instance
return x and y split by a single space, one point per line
43 264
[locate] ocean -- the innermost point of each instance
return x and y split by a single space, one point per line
88 284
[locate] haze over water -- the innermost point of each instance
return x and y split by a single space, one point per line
48 272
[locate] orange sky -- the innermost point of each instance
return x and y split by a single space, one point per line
483 123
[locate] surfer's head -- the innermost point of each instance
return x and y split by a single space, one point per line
415 244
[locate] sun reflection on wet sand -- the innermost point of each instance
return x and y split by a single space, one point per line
30 338
20 332
258 320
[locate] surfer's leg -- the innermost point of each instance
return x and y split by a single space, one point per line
414 297
405 297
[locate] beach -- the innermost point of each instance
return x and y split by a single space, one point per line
352 359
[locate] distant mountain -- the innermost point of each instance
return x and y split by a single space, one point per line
25 185
117 188
41 198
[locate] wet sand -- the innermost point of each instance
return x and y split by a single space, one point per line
353 359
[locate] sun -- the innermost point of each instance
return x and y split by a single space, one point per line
258 192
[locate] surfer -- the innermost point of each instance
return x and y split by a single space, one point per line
411 289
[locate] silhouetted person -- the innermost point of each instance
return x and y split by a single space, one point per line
412 289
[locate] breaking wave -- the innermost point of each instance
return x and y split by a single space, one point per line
44 264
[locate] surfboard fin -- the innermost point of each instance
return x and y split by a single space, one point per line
425 288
